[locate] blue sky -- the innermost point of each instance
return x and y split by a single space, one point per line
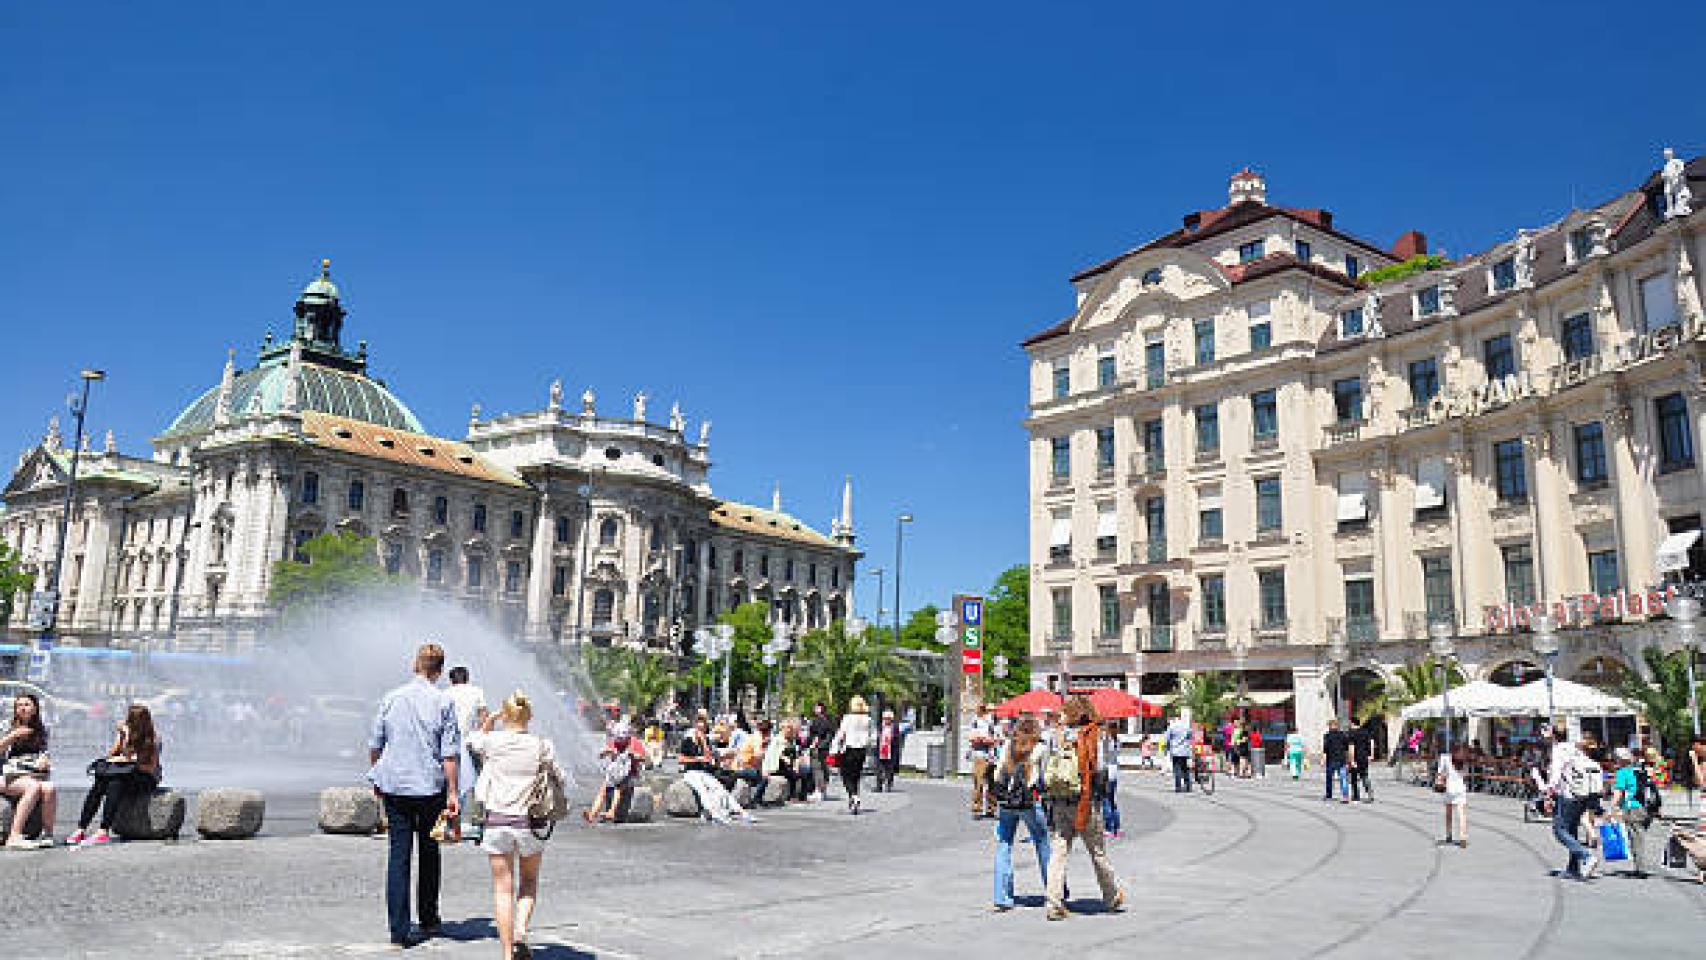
824 226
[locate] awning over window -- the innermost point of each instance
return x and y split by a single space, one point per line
1673 553
1353 497
1430 484
1060 532
1107 523
1208 498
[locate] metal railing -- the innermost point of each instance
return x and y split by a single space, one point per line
1344 431
1149 551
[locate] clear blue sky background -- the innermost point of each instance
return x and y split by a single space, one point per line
824 226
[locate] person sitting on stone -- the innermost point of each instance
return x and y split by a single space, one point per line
725 753
621 769
130 770
23 753
782 759
698 764
749 759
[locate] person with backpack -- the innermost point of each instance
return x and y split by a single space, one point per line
1636 803
1075 777
1017 781
1573 783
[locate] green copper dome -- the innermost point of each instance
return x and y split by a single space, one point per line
337 392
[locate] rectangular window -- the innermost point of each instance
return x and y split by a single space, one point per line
1264 415
1437 589
1519 574
1658 302
562 530
1060 457
1602 572
1155 522
476 572
1062 615
1155 363
1154 445
1347 399
1210 528
1107 530
1676 439
1353 267
1270 586
1430 487
1424 381
811 574
788 569
1261 335
1581 245
1350 323
1214 604
1203 331
435 566
479 518
1062 380
357 495
440 511
1107 370
1576 337
764 565
1105 450
1251 251
1510 472
1352 509
1208 428
310 487
1504 274
1427 301
512 576
517 524
393 558
1590 454
559 581
1108 599
1359 604
1305 252
1499 356
1060 537
1268 504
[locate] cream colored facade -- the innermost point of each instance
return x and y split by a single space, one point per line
1264 490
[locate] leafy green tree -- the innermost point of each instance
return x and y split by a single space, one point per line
1412 682
13 581
751 622
336 569
1007 631
1208 696
831 666
1664 699
638 679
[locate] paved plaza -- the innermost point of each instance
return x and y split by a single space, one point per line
1262 866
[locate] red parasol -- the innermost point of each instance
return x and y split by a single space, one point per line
1032 701
1114 704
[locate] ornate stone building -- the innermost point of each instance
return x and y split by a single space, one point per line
1240 449
559 524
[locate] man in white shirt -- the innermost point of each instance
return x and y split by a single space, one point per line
1178 745
1569 784
469 702
982 742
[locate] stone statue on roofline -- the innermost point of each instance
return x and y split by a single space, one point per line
1524 259
589 403
677 422
704 432
1371 316
640 406
1679 200
556 394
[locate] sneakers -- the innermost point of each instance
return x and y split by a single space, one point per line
99 839
76 839
1117 904
1058 913
1591 868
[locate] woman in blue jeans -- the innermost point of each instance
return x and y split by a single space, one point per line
1016 778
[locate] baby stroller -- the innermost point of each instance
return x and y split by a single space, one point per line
1534 797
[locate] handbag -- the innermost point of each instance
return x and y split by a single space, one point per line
446 829
34 765
108 767
1614 841
547 800
1439 783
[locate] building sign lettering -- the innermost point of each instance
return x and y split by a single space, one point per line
1584 609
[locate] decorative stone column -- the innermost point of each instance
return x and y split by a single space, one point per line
538 625
1634 508
1552 518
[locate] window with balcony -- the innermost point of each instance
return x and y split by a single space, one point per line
1208 429
1268 504
1359 608
1603 576
1590 455
1504 275
1519 574
1107 371
1159 603
479 518
1062 380
1350 323
1424 381
1437 590
1347 400
1352 512
1214 604
1270 589
1575 335
1060 458
1264 415
1676 438
1155 363
1105 451
1499 356
1510 473
310 487
1658 302
1108 601
1427 301
1202 332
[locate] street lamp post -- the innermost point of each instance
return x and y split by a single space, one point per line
1546 646
1685 610
900 523
1338 651
882 594
725 635
1440 643
79 408
702 644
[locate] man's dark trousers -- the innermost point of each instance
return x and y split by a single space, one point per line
409 821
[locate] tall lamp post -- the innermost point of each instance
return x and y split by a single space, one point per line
702 644
900 523
1440 643
1685 610
1339 652
1546 646
882 594
79 409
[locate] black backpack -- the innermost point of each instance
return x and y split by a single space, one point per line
1647 792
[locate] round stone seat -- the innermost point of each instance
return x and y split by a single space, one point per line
775 791
158 816
349 810
9 809
742 794
229 813
680 800
641 806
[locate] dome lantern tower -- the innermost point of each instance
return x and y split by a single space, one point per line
319 314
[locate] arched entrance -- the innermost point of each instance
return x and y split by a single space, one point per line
1603 673
1515 673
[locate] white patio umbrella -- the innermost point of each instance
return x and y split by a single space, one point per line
1479 698
1571 699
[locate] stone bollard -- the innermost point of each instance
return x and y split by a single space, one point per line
680 800
159 816
775 791
8 809
229 813
641 806
349 810
742 794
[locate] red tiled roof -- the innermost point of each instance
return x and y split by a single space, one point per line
1208 223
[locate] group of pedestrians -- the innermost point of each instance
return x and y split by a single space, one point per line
127 773
1348 756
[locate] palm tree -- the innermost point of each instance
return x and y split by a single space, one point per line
1208 696
1665 699
645 679
831 666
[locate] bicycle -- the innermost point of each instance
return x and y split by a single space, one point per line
1202 771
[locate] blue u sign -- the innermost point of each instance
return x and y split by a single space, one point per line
971 612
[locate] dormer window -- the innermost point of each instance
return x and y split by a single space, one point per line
1503 275
1152 277
1581 245
1353 267
1427 301
1304 251
1350 323
1254 250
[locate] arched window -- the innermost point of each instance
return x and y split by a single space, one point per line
603 608
657 535
607 532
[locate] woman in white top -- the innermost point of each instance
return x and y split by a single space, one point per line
851 741
1456 796
511 760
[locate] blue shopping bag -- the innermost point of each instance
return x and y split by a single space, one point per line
1613 841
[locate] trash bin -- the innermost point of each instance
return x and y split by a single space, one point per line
936 760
